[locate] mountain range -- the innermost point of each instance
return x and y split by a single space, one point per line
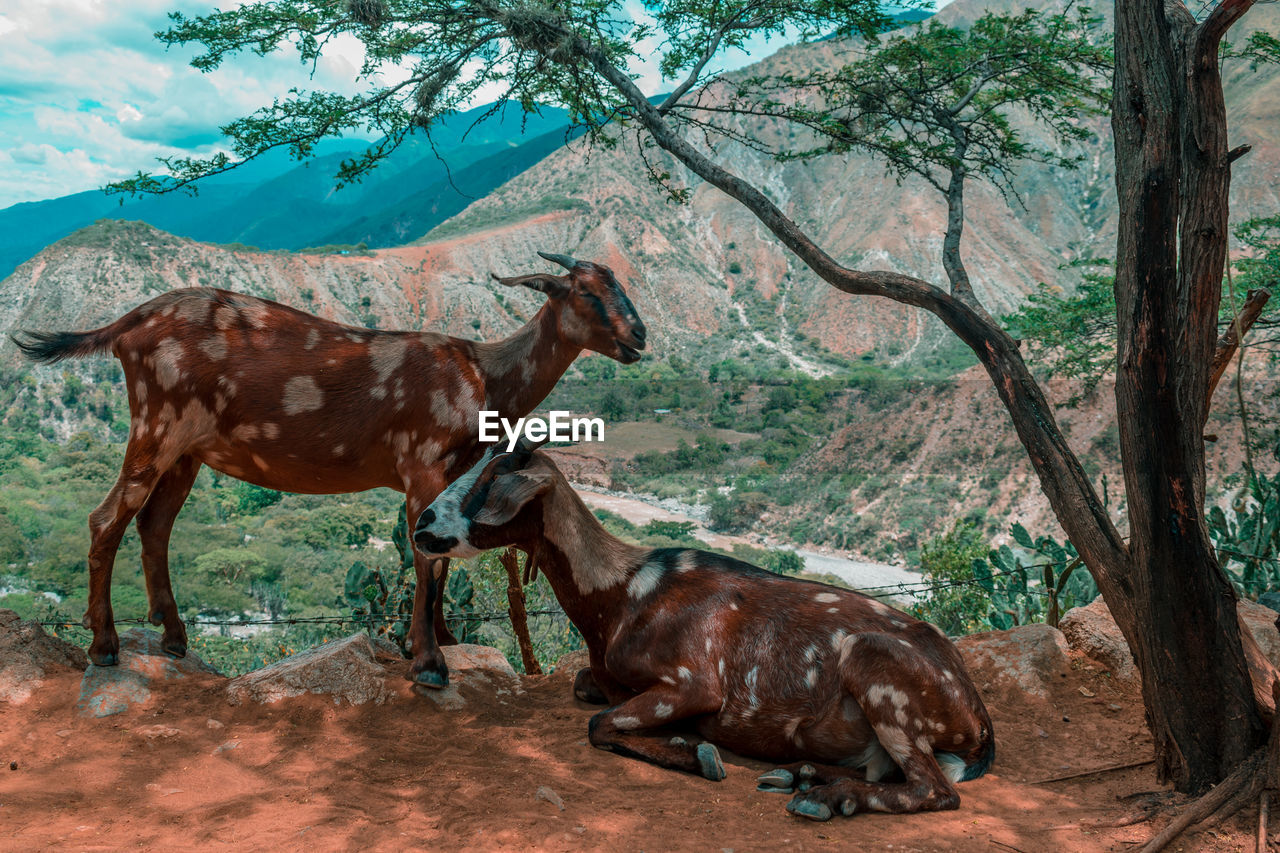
708 279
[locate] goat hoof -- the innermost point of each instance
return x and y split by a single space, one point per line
848 807
777 779
678 741
709 762
175 648
809 809
807 771
104 658
432 679
804 786
773 789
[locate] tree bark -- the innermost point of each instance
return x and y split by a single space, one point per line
1172 176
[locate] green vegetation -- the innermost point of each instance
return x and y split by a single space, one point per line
976 588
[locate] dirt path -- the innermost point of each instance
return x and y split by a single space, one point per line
192 772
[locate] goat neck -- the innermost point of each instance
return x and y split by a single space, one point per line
588 568
515 380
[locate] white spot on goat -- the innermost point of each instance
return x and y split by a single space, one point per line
387 353
168 363
684 673
826 597
215 347
811 677
624 722
313 338
644 580
663 711
301 394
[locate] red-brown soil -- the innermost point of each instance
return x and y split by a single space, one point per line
304 774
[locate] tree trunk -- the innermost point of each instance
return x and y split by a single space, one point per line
1172 177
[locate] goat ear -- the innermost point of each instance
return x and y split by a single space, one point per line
509 494
552 285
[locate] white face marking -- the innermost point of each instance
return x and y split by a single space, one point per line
624 722
826 597
301 394
448 509
663 711
643 581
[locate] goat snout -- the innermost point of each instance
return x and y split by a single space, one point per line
639 334
426 540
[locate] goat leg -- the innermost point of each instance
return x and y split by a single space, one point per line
628 729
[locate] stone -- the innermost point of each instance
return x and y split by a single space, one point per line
28 656
345 669
1261 622
1028 658
472 670
545 793
1090 629
108 690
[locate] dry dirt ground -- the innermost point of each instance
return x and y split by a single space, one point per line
514 772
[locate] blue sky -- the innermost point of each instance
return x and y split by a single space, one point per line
87 95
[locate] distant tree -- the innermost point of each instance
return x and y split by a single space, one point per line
1168 594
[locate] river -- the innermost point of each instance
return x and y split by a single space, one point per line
857 573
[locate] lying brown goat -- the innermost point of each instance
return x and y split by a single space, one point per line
768 666
290 401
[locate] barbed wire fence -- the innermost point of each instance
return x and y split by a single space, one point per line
912 589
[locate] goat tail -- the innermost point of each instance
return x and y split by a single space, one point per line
52 347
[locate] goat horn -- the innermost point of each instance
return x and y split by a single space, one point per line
563 260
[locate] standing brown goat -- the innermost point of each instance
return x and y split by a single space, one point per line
289 401
766 665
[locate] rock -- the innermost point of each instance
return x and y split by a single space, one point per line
572 662
157 731
1261 622
545 793
1090 629
344 669
28 655
107 690
472 668
1028 658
